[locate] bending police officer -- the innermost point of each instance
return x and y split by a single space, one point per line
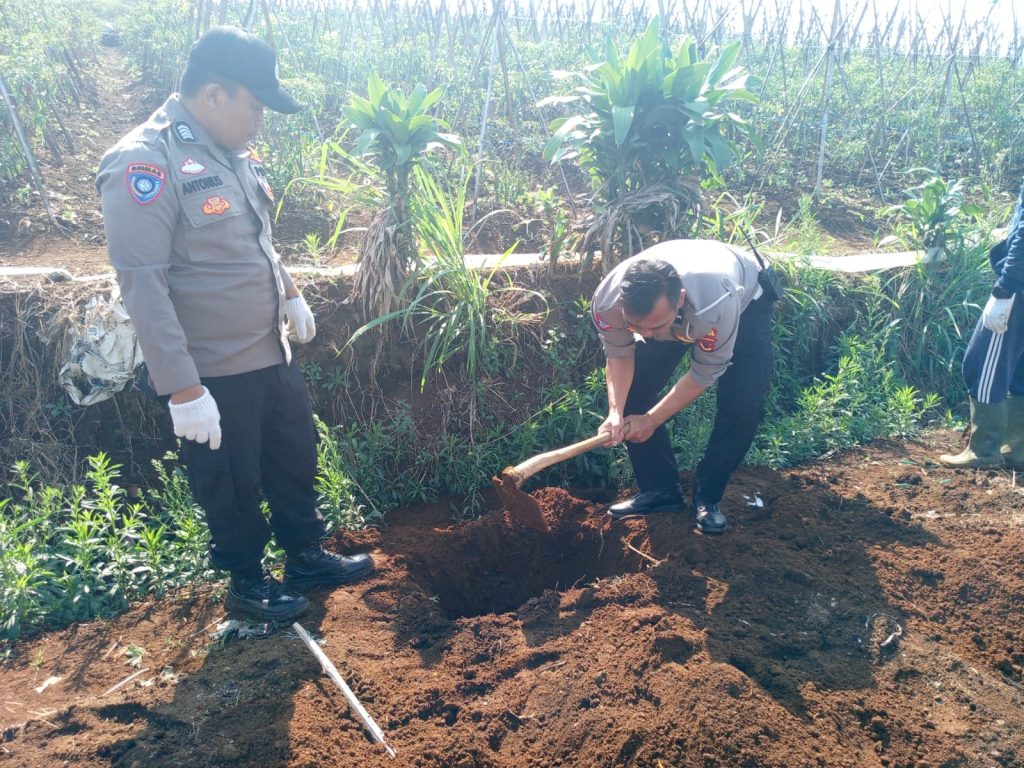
696 296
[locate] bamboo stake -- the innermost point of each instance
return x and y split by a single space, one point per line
787 124
844 81
26 149
510 112
333 673
207 15
63 128
269 23
534 100
483 130
967 119
830 52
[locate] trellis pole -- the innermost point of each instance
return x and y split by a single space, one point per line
26 149
830 53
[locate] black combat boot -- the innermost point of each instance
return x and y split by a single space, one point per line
668 499
260 596
710 519
315 567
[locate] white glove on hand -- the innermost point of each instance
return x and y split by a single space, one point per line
198 420
996 314
299 321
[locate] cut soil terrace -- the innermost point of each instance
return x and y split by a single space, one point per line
869 614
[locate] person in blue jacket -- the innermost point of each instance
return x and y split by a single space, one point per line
994 363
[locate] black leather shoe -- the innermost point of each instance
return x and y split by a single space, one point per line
649 502
710 519
316 567
260 596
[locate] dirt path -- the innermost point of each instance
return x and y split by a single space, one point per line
113 101
868 616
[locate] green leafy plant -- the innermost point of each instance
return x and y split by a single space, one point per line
72 554
396 133
933 215
454 309
804 234
733 220
862 399
338 492
548 208
345 182
367 469
134 654
934 306
313 372
652 122
314 247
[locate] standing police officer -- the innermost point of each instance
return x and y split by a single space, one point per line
993 366
186 208
697 296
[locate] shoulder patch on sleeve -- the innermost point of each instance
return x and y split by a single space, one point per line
709 341
145 182
601 323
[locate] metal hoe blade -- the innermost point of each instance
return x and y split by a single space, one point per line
519 504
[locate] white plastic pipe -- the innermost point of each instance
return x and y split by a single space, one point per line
333 673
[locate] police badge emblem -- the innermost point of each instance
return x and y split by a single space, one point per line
191 167
215 205
145 182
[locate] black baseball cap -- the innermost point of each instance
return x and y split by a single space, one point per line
243 58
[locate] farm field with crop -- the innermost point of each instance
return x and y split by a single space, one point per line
865 606
865 616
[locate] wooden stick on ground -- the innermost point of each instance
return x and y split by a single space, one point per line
124 682
333 673
642 554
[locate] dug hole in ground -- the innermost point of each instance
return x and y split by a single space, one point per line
868 614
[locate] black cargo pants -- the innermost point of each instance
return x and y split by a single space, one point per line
740 406
268 450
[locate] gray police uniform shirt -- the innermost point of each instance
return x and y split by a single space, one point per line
188 233
720 283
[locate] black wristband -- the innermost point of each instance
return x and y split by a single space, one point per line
1002 293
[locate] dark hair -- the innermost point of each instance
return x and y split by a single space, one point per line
644 282
196 77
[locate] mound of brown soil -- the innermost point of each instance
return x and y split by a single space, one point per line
869 614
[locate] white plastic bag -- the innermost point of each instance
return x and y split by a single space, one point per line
103 354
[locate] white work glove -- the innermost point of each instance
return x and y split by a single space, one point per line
299 322
996 314
198 420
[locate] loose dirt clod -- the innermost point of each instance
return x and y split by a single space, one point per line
524 507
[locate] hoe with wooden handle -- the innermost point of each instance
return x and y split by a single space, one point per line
521 505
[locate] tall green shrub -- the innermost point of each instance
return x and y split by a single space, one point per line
650 124
396 133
